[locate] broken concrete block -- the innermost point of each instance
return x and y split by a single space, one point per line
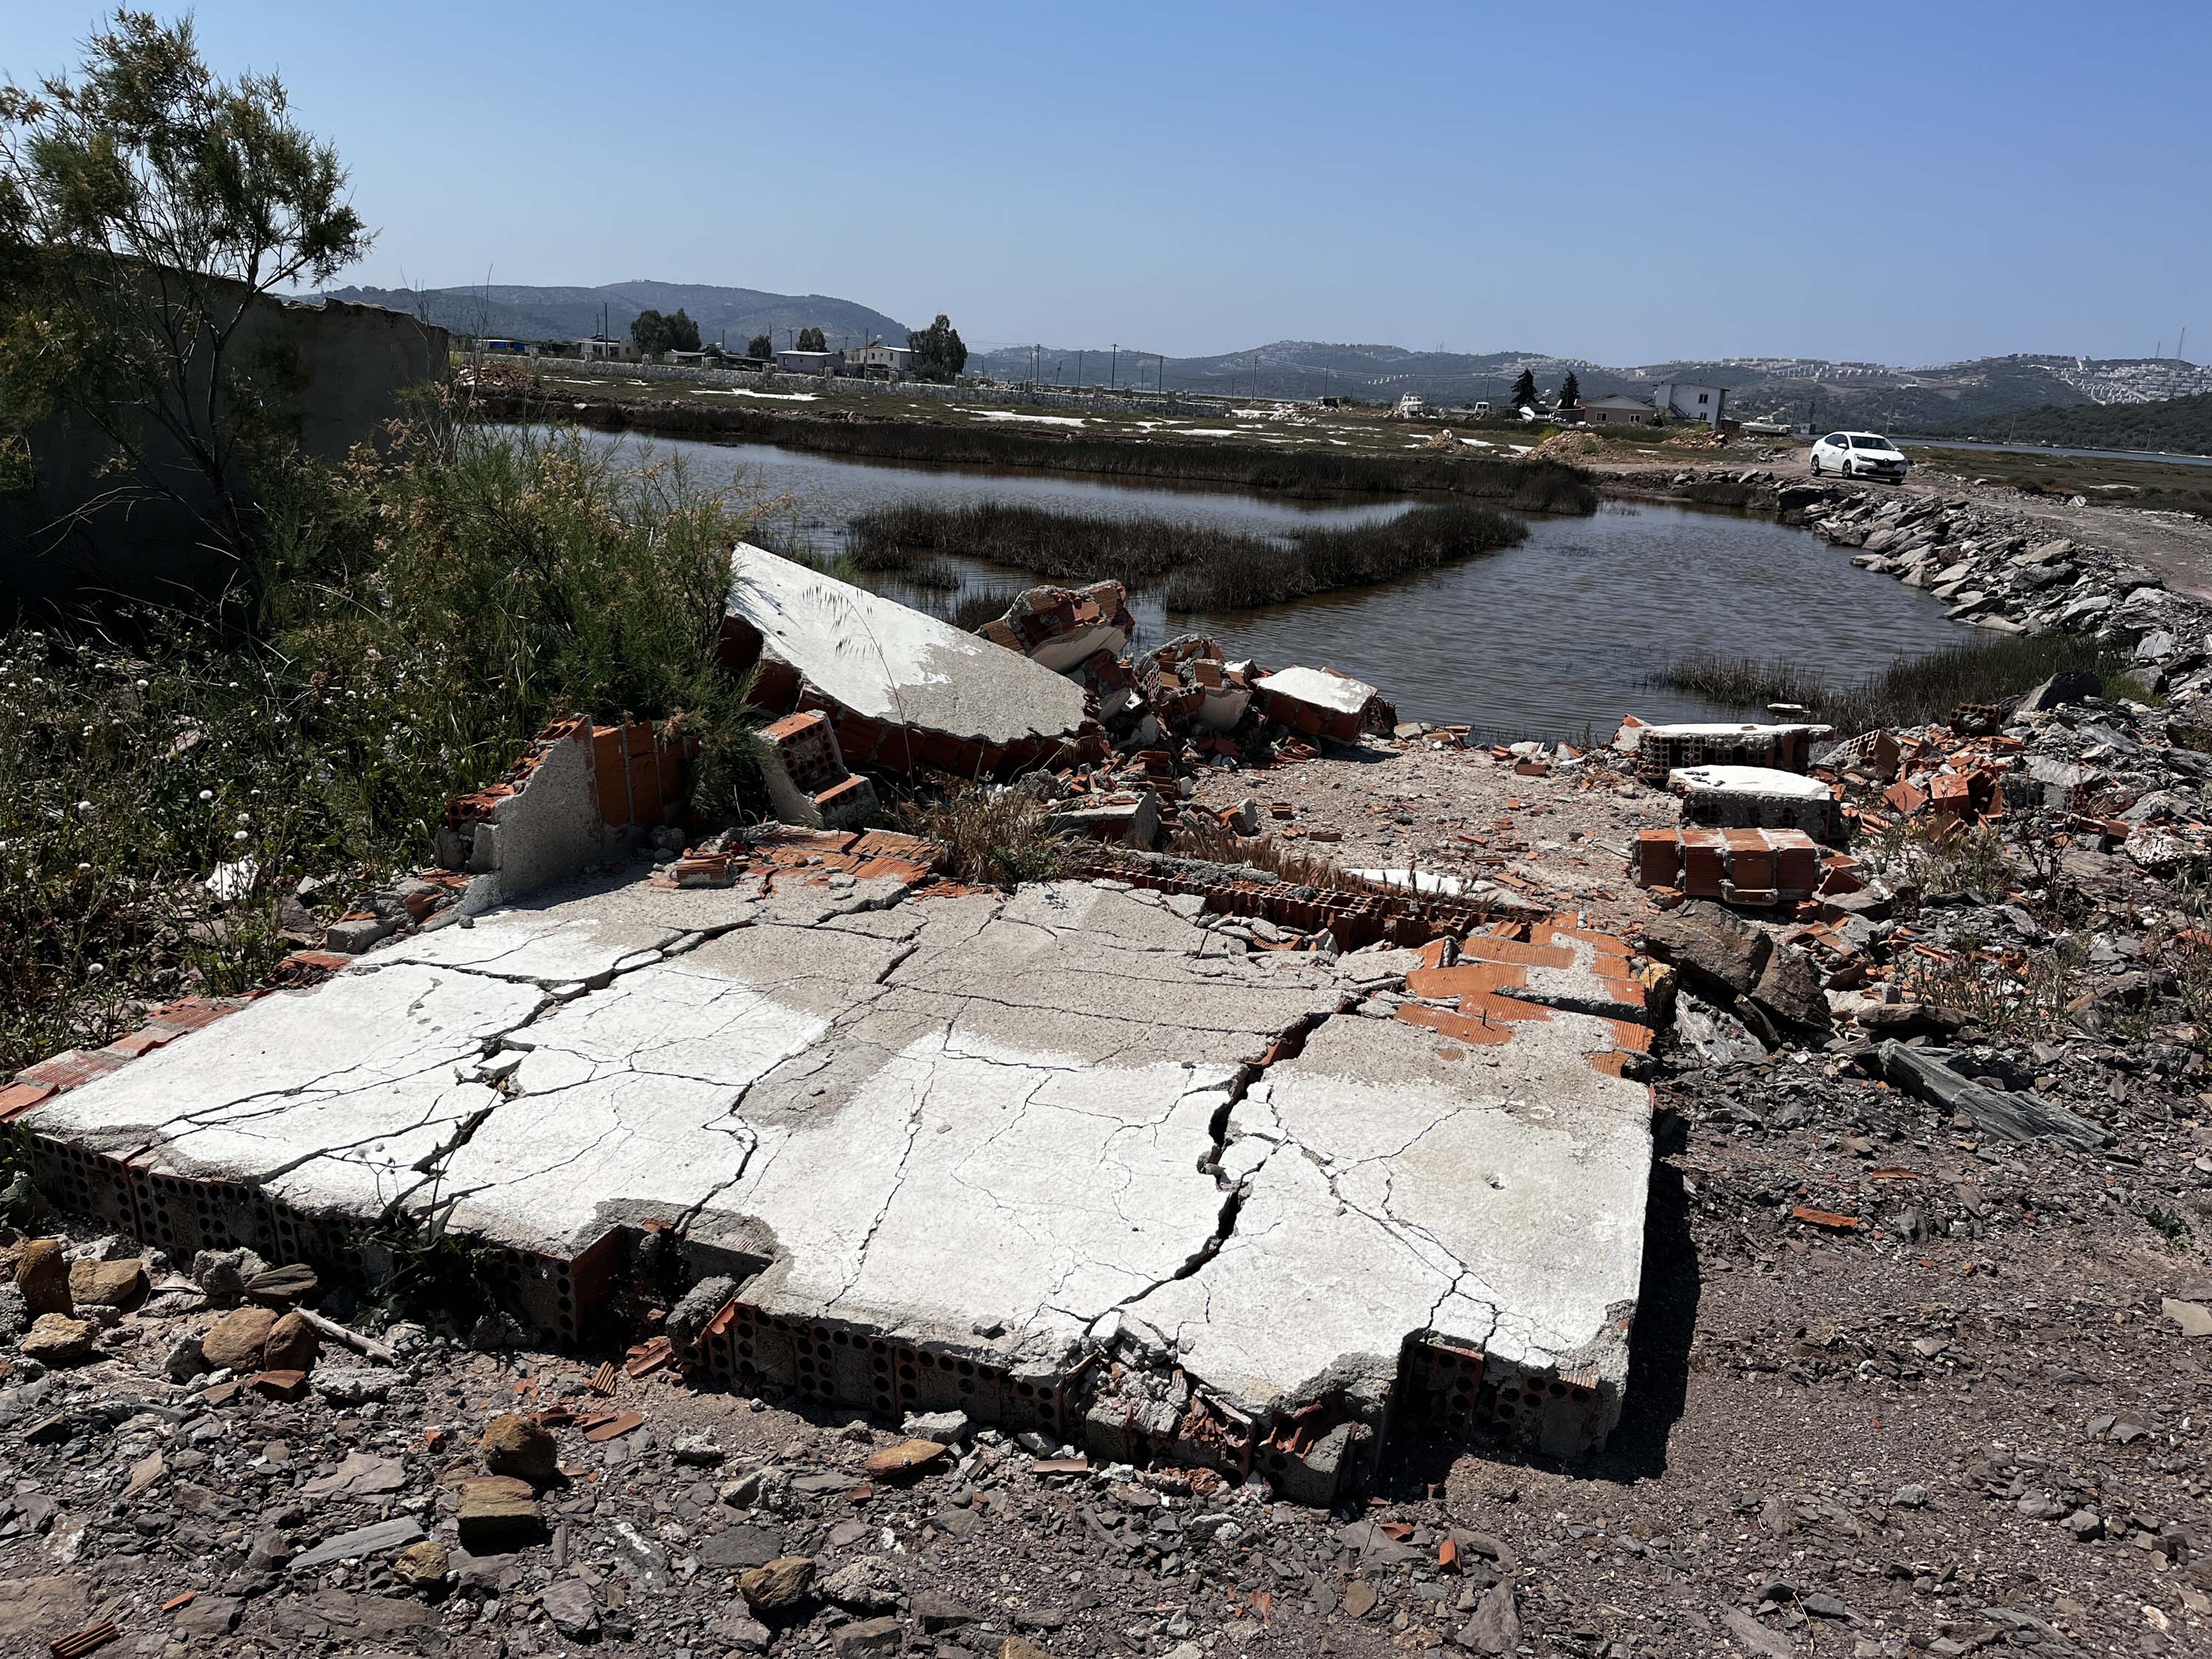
1061 629
900 688
579 794
1660 749
1134 821
1738 867
807 782
1317 702
1756 797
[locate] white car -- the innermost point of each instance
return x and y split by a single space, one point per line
1859 455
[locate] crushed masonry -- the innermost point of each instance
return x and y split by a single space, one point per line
1073 1159
1062 628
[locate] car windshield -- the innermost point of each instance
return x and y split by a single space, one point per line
1868 441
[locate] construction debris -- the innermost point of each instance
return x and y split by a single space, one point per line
902 691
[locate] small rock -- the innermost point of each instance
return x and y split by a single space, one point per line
1821 1604
569 1603
422 1567
738 1628
2086 1524
1360 1598
222 1274
517 1446
373 1540
184 1361
868 1636
778 1587
355 1385
867 1585
698 1450
2194 1318
43 1277
496 1510
1496 1627
937 1610
1909 1497
905 1461
282 1287
56 1339
291 1345
946 1428
233 1342
107 1283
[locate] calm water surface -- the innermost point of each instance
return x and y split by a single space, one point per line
1546 638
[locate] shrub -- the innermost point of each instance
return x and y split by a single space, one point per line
421 618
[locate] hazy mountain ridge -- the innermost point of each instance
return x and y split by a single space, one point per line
1936 398
530 311
1789 388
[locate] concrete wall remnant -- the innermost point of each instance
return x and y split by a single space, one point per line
901 689
806 778
1319 703
337 372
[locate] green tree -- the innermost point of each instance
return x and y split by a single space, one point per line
1524 391
760 346
939 354
147 209
682 332
651 333
811 339
1571 390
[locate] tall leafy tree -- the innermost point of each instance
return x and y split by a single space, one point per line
939 354
1571 390
147 207
650 333
682 332
811 339
760 346
1524 391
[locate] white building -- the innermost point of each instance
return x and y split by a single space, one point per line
1680 402
607 351
881 361
810 363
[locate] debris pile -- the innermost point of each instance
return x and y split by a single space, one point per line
1064 629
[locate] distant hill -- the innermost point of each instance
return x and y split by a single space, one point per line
2177 426
734 314
1783 388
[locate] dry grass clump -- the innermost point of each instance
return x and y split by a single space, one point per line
993 835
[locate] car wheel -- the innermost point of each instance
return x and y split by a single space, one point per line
1816 466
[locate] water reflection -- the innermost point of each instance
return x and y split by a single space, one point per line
1546 639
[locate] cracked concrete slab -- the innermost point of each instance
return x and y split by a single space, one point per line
1398 1185
1024 1133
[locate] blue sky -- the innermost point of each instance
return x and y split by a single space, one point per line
1624 182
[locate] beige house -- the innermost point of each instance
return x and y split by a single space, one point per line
1617 410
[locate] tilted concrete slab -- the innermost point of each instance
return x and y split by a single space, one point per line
897 669
1063 1157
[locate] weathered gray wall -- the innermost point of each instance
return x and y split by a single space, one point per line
347 366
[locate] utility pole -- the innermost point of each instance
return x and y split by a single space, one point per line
1113 373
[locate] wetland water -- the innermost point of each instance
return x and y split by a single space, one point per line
1543 640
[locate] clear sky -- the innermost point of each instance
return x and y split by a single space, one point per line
1907 183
